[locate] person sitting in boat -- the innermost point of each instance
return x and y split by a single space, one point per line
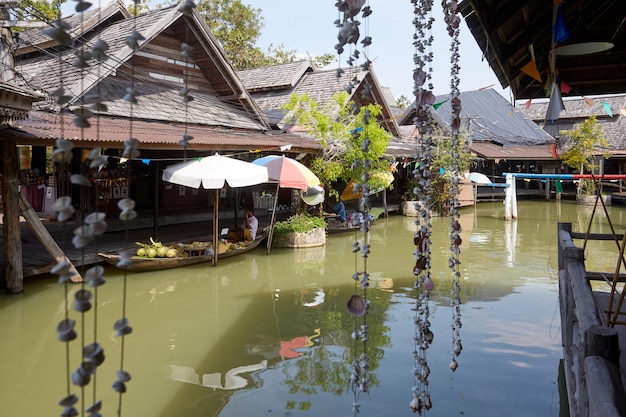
339 208
247 230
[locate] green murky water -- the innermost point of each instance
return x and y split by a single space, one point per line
269 335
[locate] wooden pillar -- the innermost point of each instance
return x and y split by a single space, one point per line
12 234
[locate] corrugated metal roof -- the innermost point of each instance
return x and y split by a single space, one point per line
489 150
487 116
578 110
43 129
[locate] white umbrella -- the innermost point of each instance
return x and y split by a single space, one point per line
212 172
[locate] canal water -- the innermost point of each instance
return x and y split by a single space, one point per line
263 335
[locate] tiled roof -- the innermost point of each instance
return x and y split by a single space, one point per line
80 24
43 128
274 77
47 72
158 99
157 102
320 86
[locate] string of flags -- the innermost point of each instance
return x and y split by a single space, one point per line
554 86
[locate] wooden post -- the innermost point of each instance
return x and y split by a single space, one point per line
216 208
602 341
12 235
46 240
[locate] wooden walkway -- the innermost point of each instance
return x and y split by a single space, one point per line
594 345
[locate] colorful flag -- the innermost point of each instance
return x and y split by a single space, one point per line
565 88
560 30
530 69
553 150
555 106
607 108
437 105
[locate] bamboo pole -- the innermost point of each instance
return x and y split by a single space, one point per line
46 239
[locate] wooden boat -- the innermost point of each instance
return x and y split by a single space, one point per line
337 227
334 226
194 253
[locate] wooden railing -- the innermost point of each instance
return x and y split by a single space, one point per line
590 349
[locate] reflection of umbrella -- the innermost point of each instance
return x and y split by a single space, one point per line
349 194
289 173
212 172
287 347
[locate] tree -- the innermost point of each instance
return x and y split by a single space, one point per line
341 132
39 9
446 161
238 27
587 140
403 102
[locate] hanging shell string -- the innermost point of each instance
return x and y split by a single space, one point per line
93 225
96 220
62 156
349 35
186 8
453 20
121 326
424 99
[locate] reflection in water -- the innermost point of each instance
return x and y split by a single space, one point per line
270 334
510 240
232 379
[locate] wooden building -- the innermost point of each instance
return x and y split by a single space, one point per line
500 137
196 94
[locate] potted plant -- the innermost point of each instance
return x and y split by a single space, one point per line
446 161
409 199
299 231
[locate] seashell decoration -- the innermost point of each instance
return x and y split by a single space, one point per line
82 300
95 276
80 179
94 409
99 50
356 306
122 328
94 224
94 353
64 270
65 330
63 207
82 375
83 236
69 400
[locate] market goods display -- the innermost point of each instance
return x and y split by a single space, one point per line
157 250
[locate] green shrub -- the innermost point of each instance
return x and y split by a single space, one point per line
299 223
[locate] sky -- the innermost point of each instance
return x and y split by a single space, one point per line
307 27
